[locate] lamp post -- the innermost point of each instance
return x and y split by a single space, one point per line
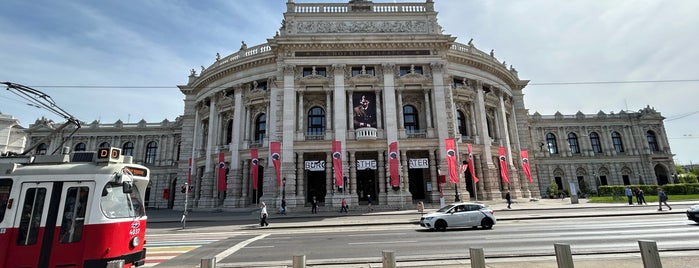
284 188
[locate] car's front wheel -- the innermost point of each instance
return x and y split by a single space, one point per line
487 223
440 225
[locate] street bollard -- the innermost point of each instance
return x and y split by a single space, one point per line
208 262
477 257
389 259
649 254
300 261
564 257
115 264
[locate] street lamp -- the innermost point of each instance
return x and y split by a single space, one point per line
284 188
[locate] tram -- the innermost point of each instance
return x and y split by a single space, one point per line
81 209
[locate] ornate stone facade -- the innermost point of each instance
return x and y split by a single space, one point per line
305 88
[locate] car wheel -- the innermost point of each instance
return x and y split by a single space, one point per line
487 223
440 225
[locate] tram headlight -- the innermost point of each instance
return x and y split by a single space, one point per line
135 241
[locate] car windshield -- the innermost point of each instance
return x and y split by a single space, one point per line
445 209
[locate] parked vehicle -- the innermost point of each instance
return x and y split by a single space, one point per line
693 213
459 215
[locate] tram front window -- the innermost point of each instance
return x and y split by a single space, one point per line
117 204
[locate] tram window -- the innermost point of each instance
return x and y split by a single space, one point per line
5 188
32 212
117 204
74 214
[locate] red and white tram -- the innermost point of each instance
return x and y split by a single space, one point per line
83 209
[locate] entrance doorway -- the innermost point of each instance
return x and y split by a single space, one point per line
316 186
417 182
257 194
367 185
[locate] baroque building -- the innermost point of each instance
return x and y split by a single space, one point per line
12 135
602 149
335 88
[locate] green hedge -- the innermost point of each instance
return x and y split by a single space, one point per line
670 189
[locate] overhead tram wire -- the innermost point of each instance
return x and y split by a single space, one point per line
529 84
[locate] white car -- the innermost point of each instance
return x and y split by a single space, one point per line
459 215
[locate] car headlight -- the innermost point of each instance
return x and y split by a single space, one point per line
429 218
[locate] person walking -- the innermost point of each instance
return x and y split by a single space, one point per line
662 199
368 200
283 210
263 215
629 194
314 206
343 205
641 197
508 197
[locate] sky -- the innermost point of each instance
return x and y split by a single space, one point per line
115 60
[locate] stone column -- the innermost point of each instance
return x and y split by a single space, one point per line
389 103
234 175
379 114
428 108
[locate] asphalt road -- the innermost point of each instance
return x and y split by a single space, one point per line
518 235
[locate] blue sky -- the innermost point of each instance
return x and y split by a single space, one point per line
140 50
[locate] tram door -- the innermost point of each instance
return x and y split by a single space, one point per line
366 185
316 186
37 242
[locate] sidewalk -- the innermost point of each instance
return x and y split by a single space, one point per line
300 217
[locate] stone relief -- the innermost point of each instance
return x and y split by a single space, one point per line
362 27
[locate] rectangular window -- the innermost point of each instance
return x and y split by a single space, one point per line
403 70
74 214
308 71
5 191
362 70
32 214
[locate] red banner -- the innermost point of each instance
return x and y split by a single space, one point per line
275 148
470 164
221 173
451 161
253 167
525 165
337 162
393 163
503 165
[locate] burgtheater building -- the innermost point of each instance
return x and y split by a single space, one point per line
337 86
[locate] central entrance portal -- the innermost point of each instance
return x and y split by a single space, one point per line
316 186
367 185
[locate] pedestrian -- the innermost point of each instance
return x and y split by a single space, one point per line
509 199
283 210
263 214
343 205
642 197
314 206
662 199
629 194
636 192
368 200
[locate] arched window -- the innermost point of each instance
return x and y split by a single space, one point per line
104 145
80 147
461 120
316 122
127 149
573 143
551 143
151 151
595 142
260 128
618 144
410 119
652 141
41 149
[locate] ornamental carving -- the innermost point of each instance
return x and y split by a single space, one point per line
362 27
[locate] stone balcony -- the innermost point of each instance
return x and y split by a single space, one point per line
365 133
